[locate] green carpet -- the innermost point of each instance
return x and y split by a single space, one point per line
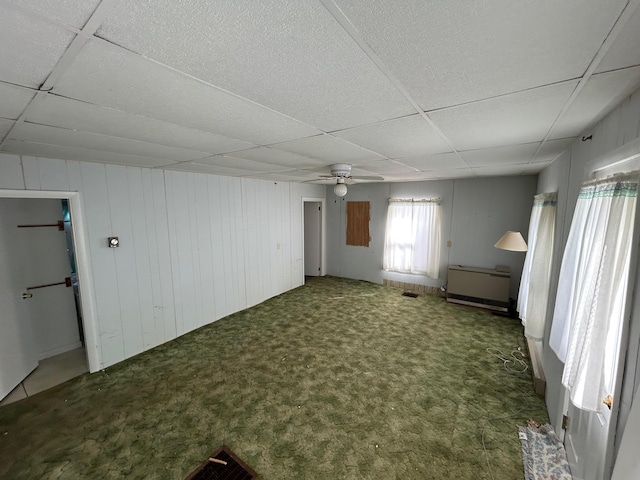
337 379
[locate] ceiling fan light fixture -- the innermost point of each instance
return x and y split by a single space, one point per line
341 188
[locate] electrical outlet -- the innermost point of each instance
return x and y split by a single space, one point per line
278 246
448 243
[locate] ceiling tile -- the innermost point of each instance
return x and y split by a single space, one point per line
510 155
523 117
241 164
106 75
625 51
551 149
5 126
403 137
448 53
329 149
29 48
500 171
299 60
72 114
13 100
383 167
439 161
599 96
453 173
209 169
278 157
42 134
72 12
81 154
291 176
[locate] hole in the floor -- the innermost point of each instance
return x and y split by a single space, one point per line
223 464
409 294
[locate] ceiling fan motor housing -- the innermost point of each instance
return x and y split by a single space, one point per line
341 170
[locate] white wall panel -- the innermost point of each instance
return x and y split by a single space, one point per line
140 243
217 255
53 174
11 172
105 278
125 258
31 173
204 286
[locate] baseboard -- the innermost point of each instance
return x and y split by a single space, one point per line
58 350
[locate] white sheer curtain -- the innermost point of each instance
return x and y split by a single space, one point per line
592 287
412 237
534 283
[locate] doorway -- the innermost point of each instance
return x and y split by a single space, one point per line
47 321
312 238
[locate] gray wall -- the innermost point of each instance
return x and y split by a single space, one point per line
475 214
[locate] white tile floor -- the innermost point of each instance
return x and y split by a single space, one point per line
51 371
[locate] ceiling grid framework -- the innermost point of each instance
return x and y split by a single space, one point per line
405 91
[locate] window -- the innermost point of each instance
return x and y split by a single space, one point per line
412 237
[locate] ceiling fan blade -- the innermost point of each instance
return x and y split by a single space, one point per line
360 177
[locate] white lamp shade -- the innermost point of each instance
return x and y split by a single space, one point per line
340 189
512 241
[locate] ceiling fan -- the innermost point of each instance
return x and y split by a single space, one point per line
342 174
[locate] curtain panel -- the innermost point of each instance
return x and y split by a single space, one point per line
533 296
592 287
412 237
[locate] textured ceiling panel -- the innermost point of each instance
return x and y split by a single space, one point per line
500 171
111 77
330 149
81 154
404 137
210 169
383 167
242 164
5 126
278 157
511 155
513 119
447 53
552 149
30 132
72 114
29 48
72 12
455 173
445 161
13 100
292 176
290 56
601 93
625 51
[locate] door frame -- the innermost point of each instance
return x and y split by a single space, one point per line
83 266
323 256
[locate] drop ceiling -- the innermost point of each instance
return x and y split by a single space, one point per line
279 90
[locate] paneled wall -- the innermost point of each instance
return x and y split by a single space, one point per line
193 247
619 128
